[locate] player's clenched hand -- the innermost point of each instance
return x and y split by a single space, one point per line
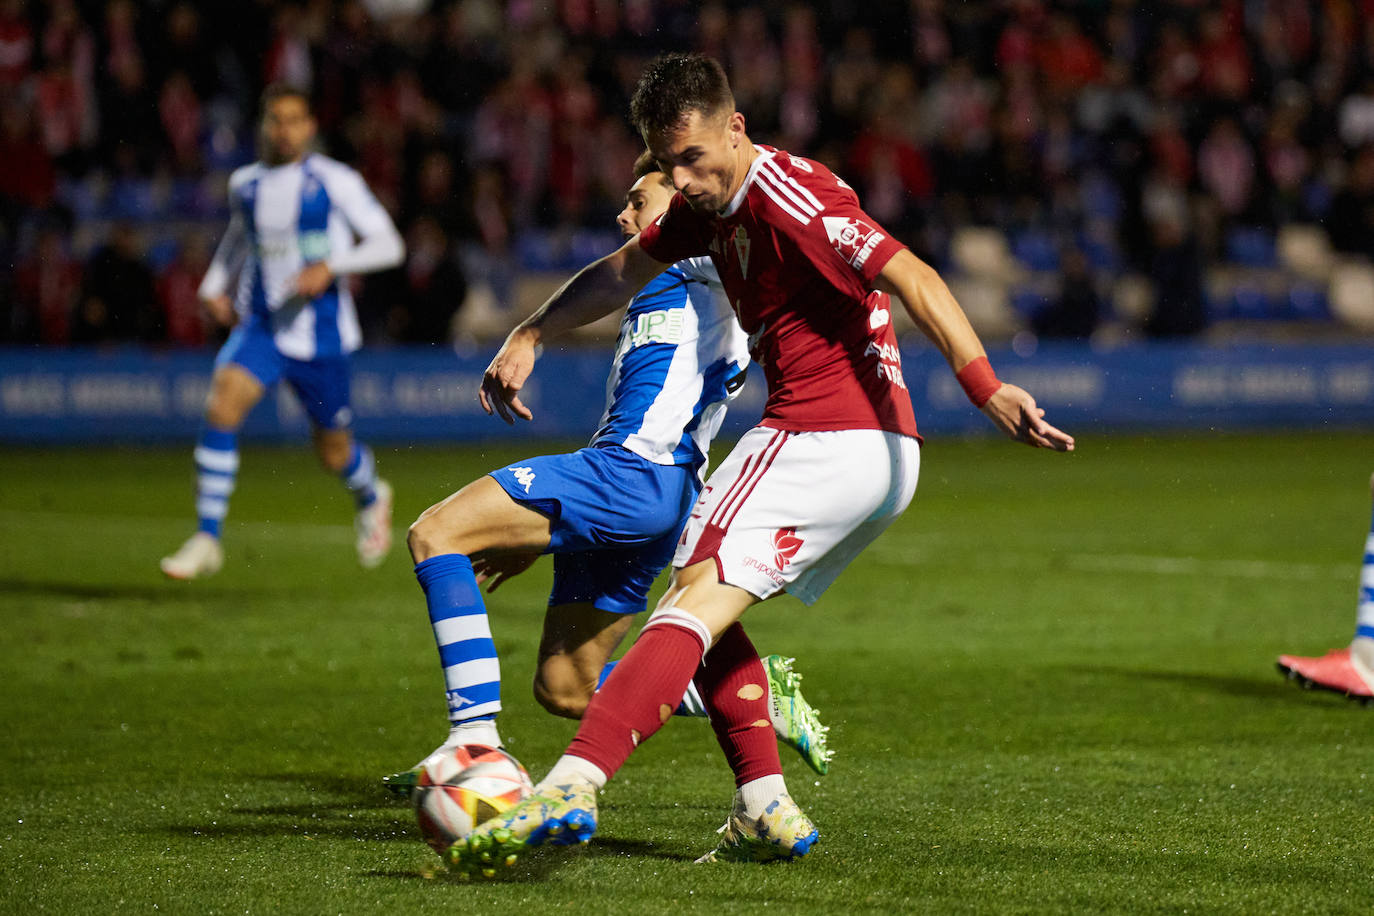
221 309
314 280
1013 411
501 568
506 375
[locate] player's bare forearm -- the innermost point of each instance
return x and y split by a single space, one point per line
593 292
940 318
932 308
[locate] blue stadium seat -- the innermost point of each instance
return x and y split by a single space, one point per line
132 199
161 253
1307 301
1027 301
1252 247
1100 252
1036 249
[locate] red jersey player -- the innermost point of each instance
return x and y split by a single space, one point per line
832 463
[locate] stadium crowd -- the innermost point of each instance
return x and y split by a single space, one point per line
1100 136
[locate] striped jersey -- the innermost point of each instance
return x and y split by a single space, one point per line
679 357
285 217
799 258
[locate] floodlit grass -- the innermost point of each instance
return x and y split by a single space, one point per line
1051 687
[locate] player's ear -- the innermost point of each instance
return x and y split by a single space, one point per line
735 128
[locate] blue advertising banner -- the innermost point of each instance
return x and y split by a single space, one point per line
430 394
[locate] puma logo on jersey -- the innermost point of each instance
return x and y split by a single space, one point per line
523 476
852 238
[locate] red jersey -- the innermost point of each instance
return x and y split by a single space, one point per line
798 258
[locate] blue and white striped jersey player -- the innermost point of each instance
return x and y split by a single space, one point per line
300 224
610 513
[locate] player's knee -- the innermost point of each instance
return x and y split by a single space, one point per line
562 696
423 539
221 413
333 458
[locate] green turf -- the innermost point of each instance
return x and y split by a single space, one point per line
1051 687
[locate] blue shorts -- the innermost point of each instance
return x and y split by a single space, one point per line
616 520
321 385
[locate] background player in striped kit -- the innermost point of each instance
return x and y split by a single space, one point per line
1350 670
301 222
610 514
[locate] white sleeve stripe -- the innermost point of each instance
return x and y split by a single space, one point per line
778 199
795 185
781 185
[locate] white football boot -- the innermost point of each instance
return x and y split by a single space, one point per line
373 525
200 556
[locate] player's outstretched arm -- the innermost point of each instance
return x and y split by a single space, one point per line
934 310
593 292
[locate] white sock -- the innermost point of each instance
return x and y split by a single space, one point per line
574 769
1362 651
476 731
758 794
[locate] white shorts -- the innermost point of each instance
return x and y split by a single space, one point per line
790 510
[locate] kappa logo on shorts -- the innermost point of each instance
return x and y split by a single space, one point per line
523 476
786 544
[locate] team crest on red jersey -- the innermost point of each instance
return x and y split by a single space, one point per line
742 250
852 238
785 544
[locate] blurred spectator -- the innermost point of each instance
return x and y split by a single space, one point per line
47 283
179 110
1350 221
1075 312
434 286
1176 269
118 302
1068 60
66 106
1226 167
28 178
16 46
177 286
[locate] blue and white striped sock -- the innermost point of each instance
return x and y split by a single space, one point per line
1364 622
472 674
691 705
217 464
360 475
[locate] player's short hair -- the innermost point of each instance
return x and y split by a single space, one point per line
646 164
674 85
275 91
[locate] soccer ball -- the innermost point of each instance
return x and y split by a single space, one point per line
464 786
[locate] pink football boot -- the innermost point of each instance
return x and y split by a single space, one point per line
1335 671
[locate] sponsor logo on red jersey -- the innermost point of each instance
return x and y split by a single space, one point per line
852 238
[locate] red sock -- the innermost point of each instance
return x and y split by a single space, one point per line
734 689
639 696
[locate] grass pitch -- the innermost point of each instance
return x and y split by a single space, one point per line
1051 687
